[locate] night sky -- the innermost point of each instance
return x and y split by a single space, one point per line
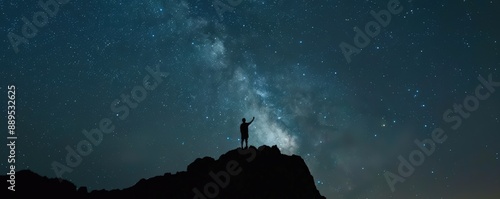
174 78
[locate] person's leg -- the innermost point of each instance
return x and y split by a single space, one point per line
246 143
242 143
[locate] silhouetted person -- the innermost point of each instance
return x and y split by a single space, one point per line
244 131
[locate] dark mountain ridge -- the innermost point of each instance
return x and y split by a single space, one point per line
238 174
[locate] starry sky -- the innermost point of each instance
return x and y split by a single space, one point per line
278 61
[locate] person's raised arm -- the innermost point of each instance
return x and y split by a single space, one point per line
252 120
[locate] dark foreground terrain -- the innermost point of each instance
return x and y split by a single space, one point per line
238 174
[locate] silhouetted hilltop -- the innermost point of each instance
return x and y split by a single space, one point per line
238 174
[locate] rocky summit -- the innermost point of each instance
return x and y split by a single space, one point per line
255 173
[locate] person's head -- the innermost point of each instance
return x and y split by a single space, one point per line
243 120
